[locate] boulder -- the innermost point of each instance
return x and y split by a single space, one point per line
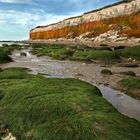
23 54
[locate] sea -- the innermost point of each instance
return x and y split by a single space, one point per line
10 43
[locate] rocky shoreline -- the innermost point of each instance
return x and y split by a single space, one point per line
127 42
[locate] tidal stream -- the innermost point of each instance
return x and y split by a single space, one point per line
86 72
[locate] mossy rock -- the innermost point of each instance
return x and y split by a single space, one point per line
106 72
129 73
23 54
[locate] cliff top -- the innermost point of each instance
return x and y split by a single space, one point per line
111 5
96 10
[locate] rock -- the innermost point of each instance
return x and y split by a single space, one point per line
106 84
83 63
106 72
9 137
79 74
135 40
104 45
120 39
128 65
23 54
129 59
129 73
119 47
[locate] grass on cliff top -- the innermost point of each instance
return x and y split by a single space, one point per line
85 53
36 108
5 51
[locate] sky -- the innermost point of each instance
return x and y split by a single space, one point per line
18 17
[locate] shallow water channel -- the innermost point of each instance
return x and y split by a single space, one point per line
86 72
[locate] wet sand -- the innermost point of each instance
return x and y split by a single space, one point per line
88 71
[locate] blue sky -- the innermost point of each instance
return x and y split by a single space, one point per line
17 17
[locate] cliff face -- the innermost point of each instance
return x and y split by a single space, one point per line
123 16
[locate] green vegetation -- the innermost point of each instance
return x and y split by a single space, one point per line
125 22
131 86
131 83
85 53
106 72
36 108
104 55
5 51
133 52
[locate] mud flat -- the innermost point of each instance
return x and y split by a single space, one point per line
83 71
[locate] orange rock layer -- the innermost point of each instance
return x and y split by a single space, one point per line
128 24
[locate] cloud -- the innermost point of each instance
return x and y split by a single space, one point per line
16 25
16 1
26 19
